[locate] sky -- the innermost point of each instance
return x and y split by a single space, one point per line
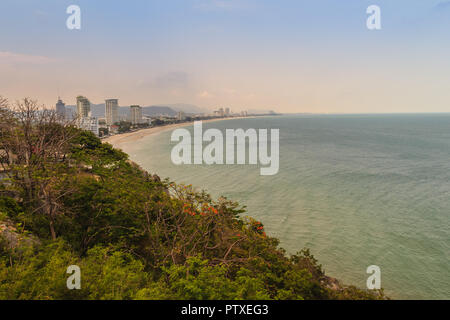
315 56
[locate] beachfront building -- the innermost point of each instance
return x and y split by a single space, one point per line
89 124
147 119
227 112
111 111
114 129
135 114
83 107
181 116
61 109
84 119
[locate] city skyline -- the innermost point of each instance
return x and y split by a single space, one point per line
112 106
289 56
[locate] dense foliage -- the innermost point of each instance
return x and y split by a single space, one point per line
133 235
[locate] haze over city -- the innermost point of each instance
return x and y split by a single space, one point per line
288 56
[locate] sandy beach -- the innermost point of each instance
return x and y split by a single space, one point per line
128 137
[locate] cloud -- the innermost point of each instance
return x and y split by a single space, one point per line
11 57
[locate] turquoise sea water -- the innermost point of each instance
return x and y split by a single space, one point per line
356 189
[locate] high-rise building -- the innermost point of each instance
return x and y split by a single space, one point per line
84 119
136 114
61 108
83 107
111 111
181 116
227 112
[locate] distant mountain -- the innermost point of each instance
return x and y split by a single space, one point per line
187 108
159 110
259 111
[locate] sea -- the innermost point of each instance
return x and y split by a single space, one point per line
358 190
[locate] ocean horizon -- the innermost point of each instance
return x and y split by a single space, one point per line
357 189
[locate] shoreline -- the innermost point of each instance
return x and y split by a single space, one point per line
134 136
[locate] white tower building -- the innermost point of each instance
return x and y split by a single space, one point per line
111 111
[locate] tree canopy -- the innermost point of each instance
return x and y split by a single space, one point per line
132 235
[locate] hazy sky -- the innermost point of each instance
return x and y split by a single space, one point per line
286 55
